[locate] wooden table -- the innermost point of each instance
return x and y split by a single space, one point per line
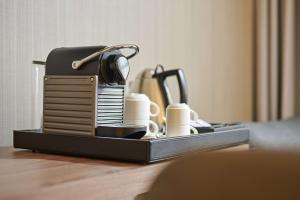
28 175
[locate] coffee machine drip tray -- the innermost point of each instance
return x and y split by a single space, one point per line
134 150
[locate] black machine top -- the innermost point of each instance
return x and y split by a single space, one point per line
59 61
107 62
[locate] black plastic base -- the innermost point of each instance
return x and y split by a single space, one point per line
136 150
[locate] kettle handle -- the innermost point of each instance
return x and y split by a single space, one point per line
161 78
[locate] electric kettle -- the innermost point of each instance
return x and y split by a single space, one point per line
153 83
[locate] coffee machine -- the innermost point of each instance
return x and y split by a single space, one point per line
84 88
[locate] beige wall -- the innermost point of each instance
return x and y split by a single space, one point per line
210 39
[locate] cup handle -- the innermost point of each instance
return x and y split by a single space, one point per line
194 115
194 130
157 110
154 126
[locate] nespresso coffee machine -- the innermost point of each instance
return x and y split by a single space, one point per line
84 88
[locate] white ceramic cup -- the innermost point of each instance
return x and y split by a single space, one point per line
138 112
178 118
138 107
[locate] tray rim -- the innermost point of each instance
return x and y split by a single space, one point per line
144 145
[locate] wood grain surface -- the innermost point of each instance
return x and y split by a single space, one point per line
28 175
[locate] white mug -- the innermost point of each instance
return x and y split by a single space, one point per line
138 112
138 107
178 118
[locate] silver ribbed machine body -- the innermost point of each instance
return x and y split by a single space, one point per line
78 104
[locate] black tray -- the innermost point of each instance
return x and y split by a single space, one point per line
147 151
